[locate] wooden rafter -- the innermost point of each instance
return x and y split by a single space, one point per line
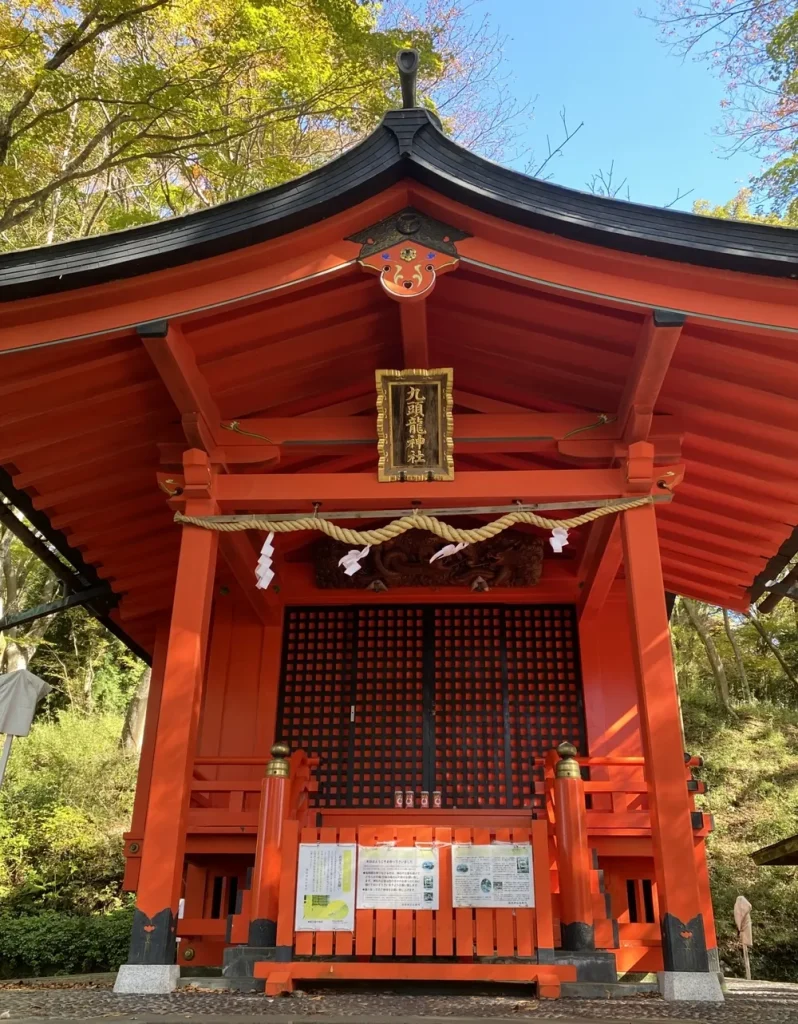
186 385
650 364
599 565
634 422
189 390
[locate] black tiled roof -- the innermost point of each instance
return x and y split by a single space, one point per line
407 144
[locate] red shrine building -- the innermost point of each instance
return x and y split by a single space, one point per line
421 635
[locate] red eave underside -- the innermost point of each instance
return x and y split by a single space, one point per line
81 421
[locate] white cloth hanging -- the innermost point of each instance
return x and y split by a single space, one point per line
20 692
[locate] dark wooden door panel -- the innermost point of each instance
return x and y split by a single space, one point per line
460 698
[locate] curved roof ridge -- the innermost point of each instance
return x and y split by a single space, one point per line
408 143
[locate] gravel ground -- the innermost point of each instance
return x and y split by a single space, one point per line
371 1006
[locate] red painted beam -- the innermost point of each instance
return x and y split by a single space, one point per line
674 542
764 510
534 428
241 555
97 488
93 458
263 322
739 458
726 526
140 403
650 363
254 493
232 372
727 479
599 565
735 598
733 427
174 360
703 570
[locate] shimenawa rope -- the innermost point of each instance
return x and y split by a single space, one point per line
418 521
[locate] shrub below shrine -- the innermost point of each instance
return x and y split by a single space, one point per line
54 943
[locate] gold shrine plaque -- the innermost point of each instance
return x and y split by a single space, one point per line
414 424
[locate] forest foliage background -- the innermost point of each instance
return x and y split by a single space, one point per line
115 113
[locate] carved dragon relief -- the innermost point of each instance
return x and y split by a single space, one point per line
513 559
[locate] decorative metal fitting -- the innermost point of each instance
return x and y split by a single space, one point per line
189 953
407 62
278 766
133 848
567 767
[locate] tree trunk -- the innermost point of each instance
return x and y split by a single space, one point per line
713 656
133 729
18 590
675 661
759 627
738 657
14 656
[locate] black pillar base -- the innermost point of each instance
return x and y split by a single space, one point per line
262 932
152 940
578 936
239 964
684 946
597 965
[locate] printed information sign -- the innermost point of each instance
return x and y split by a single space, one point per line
397 878
499 875
325 890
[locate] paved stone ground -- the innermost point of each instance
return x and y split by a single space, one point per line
369 1006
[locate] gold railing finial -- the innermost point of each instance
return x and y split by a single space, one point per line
279 766
567 767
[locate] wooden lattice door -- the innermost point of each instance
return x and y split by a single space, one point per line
456 698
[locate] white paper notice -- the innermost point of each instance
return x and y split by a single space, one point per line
325 887
492 876
397 878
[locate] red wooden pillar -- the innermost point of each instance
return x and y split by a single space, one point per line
138 819
573 854
683 933
163 847
266 873
139 816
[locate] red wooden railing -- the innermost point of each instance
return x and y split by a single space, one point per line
281 800
462 933
234 803
616 805
231 805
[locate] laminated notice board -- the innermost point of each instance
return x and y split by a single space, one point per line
397 878
325 891
499 875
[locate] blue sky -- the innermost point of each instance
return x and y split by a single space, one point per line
647 110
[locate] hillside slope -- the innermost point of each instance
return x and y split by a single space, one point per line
751 766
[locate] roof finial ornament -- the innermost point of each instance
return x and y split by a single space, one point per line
407 62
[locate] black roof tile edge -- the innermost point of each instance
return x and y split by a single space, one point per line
407 144
87 573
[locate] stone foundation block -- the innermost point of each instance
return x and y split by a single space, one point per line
690 986
147 979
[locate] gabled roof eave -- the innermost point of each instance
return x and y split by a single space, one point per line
407 144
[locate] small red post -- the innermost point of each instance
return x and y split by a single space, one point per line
573 854
266 873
